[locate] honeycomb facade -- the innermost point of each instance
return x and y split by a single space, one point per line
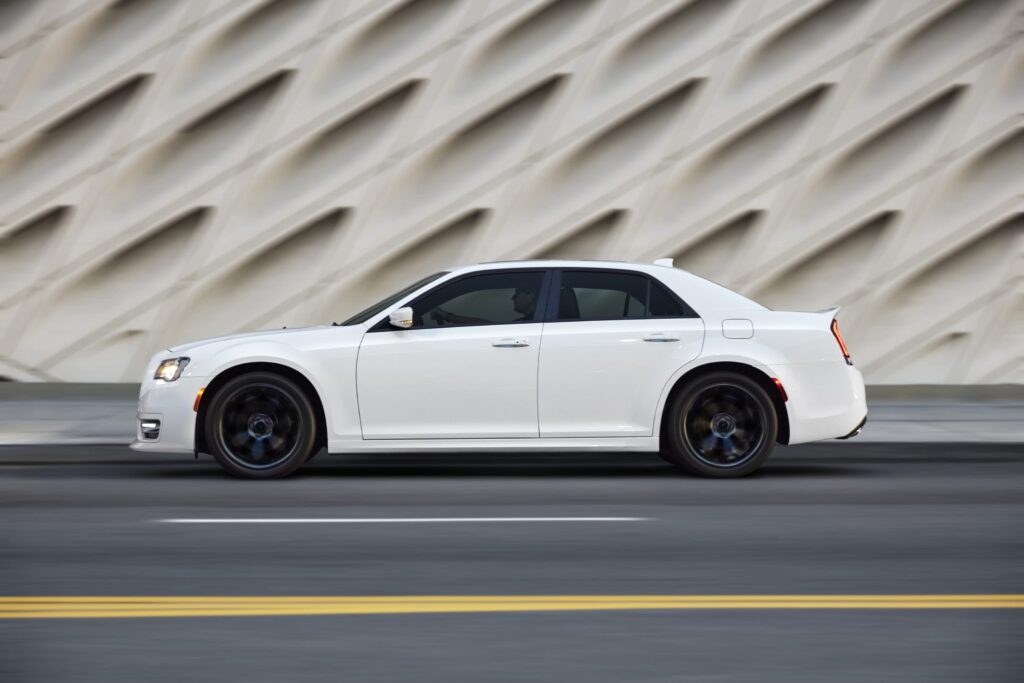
173 170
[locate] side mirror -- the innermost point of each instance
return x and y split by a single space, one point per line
401 317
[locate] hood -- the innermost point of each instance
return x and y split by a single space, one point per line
245 336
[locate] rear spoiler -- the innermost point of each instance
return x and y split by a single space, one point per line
831 311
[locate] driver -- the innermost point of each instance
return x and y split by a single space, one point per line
524 302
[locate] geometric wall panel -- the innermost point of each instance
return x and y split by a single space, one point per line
179 168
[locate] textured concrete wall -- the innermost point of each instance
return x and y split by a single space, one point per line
172 170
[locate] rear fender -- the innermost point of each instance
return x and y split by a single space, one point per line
704 361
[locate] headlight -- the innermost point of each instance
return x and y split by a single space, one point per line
170 369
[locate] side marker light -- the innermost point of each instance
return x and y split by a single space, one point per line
782 390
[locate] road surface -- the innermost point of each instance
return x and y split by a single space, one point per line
847 520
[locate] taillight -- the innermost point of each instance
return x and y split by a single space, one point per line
842 344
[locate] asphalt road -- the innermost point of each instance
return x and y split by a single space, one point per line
843 519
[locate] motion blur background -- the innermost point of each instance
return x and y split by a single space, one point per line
178 169
174 169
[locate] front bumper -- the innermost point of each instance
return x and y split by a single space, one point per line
170 404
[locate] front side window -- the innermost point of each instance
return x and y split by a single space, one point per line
485 299
373 310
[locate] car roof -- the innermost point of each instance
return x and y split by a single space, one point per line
558 263
692 288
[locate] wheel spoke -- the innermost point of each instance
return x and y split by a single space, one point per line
724 425
260 426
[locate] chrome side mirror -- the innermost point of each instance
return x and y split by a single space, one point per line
401 317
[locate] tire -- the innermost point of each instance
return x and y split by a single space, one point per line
720 425
261 425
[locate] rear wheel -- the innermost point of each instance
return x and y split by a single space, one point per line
720 425
261 425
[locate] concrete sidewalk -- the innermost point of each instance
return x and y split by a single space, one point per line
105 414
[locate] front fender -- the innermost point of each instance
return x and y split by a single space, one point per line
256 352
315 365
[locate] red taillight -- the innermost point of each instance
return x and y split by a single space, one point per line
842 344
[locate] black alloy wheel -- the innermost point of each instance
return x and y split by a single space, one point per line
261 425
720 425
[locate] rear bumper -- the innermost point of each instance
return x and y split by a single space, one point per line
826 400
856 430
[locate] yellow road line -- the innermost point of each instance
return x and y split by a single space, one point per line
97 607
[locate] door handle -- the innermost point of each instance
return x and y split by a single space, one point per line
660 337
510 343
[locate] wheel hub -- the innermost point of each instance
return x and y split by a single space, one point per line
260 426
723 425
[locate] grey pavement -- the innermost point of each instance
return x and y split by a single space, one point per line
819 519
104 414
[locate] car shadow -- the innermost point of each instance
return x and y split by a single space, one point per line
118 461
540 465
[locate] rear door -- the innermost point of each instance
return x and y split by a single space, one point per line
611 341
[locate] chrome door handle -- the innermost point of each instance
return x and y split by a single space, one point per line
660 337
510 343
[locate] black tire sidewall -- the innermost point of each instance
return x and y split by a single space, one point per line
306 438
678 451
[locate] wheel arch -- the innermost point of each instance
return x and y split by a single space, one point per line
218 381
747 370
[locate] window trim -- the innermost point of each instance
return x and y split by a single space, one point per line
556 288
384 325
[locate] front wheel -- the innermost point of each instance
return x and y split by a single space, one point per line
261 425
720 425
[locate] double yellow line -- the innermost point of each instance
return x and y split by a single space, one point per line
106 607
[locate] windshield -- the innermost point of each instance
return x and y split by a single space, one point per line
373 310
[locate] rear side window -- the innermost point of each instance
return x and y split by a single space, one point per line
588 295
615 295
664 305
597 295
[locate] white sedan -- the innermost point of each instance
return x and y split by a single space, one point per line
515 356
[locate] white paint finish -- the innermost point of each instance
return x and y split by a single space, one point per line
169 403
737 328
780 337
607 444
326 356
442 383
393 520
826 400
601 385
603 378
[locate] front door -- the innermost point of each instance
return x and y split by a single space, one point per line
466 369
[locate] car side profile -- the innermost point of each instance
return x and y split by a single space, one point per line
516 356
